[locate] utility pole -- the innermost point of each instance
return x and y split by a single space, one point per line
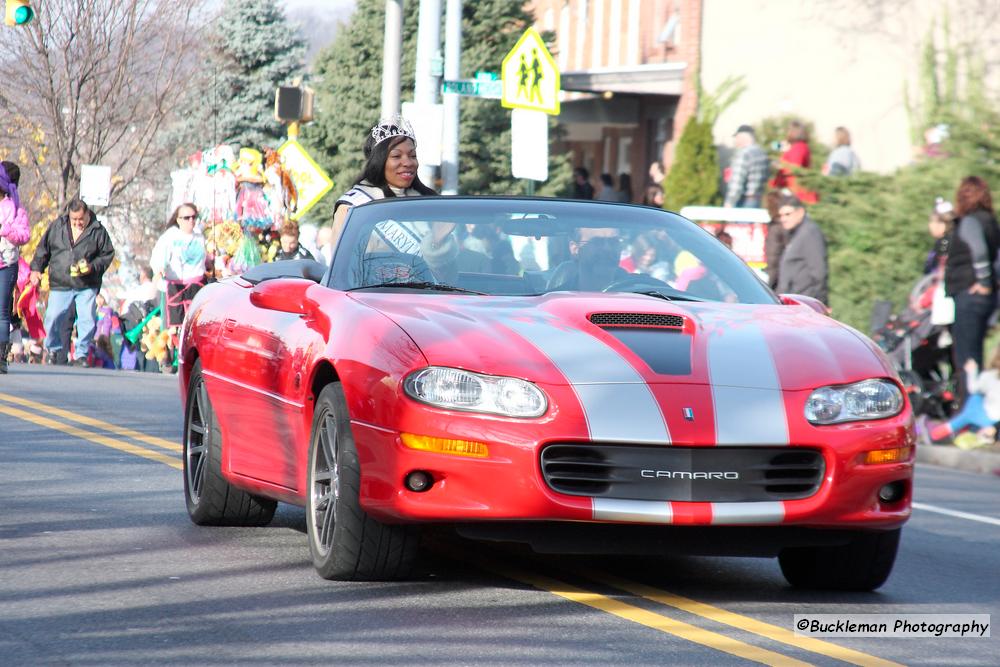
452 72
392 53
426 80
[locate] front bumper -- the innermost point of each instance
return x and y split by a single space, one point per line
509 484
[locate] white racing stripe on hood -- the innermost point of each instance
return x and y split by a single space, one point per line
661 512
617 403
746 392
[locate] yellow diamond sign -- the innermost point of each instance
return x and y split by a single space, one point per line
311 182
530 76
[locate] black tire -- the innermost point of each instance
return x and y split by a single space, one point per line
211 500
345 543
861 565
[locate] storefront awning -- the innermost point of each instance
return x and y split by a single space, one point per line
657 79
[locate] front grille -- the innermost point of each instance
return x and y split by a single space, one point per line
637 320
700 474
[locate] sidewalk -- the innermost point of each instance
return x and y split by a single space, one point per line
981 459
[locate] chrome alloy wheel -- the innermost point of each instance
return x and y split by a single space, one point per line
325 487
197 439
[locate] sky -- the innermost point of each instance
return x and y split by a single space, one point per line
319 4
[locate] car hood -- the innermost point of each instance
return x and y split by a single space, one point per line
588 338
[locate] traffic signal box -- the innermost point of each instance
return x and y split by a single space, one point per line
18 12
293 104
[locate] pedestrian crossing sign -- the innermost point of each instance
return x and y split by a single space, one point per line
310 181
529 76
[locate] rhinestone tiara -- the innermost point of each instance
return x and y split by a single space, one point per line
397 126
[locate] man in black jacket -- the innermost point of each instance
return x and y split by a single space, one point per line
803 265
77 250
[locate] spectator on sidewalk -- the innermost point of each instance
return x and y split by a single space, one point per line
582 189
939 225
981 410
142 293
797 155
654 196
748 171
14 232
842 161
803 268
179 256
777 237
290 248
76 250
608 192
969 276
624 191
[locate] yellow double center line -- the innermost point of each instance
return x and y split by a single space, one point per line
35 415
611 605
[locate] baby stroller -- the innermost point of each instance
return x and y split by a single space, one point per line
919 349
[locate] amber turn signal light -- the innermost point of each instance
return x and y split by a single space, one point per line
426 443
894 455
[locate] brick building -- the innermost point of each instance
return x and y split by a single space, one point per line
628 68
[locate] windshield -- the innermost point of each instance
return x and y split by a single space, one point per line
523 247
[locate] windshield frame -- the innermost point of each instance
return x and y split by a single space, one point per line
362 218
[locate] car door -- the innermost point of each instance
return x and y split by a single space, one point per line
262 368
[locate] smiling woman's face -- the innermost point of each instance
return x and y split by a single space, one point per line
401 165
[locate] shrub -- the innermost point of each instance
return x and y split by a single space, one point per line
694 176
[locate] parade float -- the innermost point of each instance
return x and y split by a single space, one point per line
244 196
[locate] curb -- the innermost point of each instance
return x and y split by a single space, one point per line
984 460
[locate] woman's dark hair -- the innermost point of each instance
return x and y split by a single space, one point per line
172 222
374 170
973 193
607 181
13 175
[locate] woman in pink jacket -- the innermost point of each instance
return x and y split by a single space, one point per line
14 232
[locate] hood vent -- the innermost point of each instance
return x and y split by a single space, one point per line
637 320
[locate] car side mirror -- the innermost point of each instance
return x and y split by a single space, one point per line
286 295
807 301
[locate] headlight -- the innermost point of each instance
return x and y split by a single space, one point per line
461 390
870 399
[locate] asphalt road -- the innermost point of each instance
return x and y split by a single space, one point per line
99 565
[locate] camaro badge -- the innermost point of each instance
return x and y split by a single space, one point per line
689 414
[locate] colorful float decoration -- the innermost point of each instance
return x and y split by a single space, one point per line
243 199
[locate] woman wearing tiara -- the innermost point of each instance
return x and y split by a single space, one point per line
391 171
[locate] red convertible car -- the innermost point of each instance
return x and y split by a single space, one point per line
583 377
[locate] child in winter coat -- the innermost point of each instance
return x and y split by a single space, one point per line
14 232
982 408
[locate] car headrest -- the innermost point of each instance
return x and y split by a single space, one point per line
309 269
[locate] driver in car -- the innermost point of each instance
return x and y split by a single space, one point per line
596 253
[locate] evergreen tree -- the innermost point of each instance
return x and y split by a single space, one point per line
490 28
253 50
348 98
876 224
349 88
694 176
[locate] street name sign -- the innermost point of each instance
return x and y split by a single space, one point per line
530 76
473 88
311 182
